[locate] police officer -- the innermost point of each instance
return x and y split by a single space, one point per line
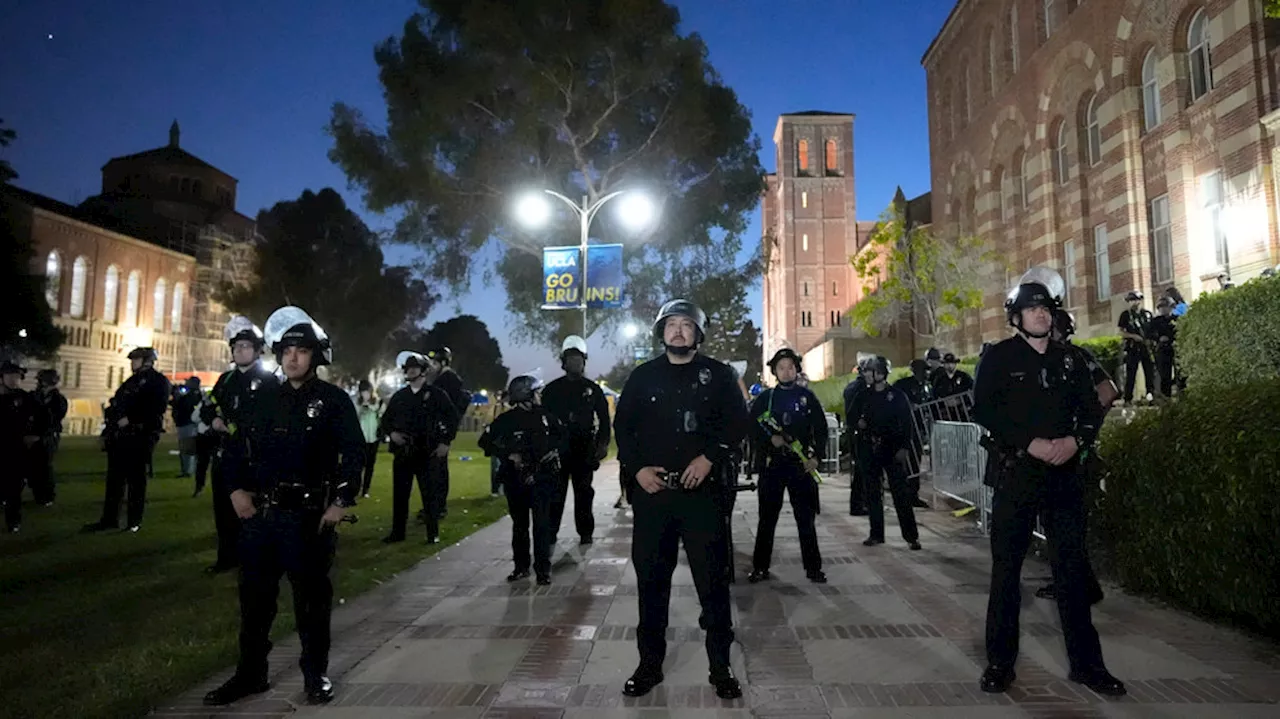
920 391
23 424
1164 333
580 406
43 484
1135 328
134 420
528 442
857 479
679 415
421 422
231 409
883 428
441 375
1039 404
784 414
307 452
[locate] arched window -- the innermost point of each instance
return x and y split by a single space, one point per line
52 279
1061 161
999 185
802 156
1024 181
833 158
131 298
1200 63
993 62
1093 130
79 283
1150 91
157 310
175 311
111 295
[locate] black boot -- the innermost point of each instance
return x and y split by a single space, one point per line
758 575
726 684
1100 681
996 679
642 682
517 575
319 690
817 576
235 689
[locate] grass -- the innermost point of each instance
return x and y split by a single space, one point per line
110 625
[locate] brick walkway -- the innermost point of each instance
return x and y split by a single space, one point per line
895 634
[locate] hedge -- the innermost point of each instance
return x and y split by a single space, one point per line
1189 512
1230 337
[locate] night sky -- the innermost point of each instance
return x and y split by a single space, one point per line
251 84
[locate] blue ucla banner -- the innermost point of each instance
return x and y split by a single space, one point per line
604 276
561 278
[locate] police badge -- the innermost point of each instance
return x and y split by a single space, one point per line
704 376
314 407
254 384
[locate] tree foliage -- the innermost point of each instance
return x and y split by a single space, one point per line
476 354
918 277
7 136
489 98
320 256
26 324
1272 8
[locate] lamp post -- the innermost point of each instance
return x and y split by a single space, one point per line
636 211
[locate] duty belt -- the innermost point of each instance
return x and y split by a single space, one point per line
294 496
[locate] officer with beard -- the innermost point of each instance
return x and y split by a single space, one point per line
308 452
421 422
1040 406
23 422
134 420
441 375
784 414
231 407
679 416
580 406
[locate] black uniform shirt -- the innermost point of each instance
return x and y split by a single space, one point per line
21 415
428 416
451 383
949 386
1135 322
1022 395
234 398
850 394
1164 330
800 414
670 414
888 417
580 406
142 399
306 435
55 405
919 392
530 433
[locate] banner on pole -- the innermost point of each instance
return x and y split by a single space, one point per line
561 278
605 277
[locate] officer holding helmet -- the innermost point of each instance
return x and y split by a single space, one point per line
1037 400
308 452
679 416
785 414
580 406
229 412
133 421
881 416
421 422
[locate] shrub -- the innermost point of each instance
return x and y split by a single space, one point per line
1231 337
1189 512
1107 351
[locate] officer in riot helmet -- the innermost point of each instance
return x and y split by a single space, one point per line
308 452
421 422
528 441
789 423
920 391
580 406
441 375
134 420
679 416
1038 402
23 424
43 484
881 418
1135 328
857 484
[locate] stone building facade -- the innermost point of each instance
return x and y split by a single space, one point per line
1128 143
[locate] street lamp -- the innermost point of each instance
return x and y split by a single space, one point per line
630 330
635 212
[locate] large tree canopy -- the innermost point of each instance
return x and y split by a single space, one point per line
26 325
320 256
489 98
7 135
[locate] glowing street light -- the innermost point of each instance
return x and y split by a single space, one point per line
630 330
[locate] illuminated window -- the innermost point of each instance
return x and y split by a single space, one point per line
1102 262
131 298
1093 130
1161 238
79 283
53 279
175 311
1150 92
804 199
1211 198
157 310
111 295
1201 64
802 156
832 164
804 242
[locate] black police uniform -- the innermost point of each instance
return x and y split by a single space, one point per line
43 482
308 452
857 470
1022 395
142 399
1136 353
1164 332
800 414
887 417
532 433
428 418
438 467
920 392
234 399
945 385
21 416
669 415
580 406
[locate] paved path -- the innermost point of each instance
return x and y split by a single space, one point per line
895 634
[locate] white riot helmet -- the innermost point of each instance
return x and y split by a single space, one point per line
409 358
574 342
292 327
242 328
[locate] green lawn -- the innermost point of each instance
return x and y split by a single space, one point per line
109 625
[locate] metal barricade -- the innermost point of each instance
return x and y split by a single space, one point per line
831 462
956 408
958 462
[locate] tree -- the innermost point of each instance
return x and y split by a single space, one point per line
920 279
616 378
7 135
489 98
26 325
1272 8
320 256
476 354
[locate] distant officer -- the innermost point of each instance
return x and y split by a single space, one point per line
43 483
1135 328
422 422
857 480
231 408
1164 335
920 391
580 406
441 375
679 415
883 424
951 380
134 420
1039 404
308 452
23 424
785 414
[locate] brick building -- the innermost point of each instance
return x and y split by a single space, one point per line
1128 143
810 228
138 265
